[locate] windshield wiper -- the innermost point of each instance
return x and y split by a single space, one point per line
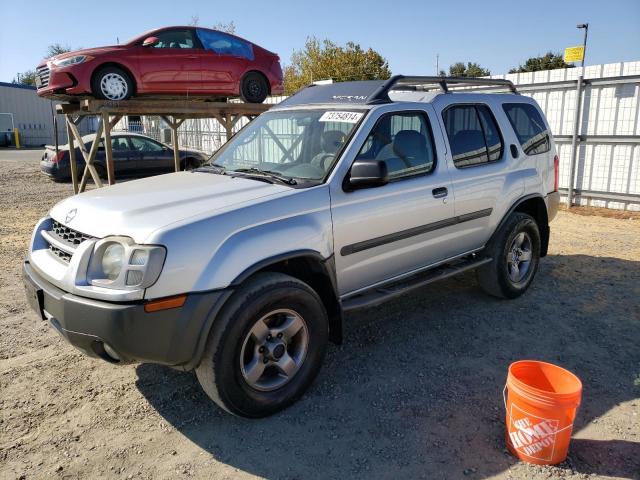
267 173
212 168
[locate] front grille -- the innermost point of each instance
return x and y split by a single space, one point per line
68 236
43 73
61 254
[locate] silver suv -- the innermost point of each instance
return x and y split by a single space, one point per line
341 197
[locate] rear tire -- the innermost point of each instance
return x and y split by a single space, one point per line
112 83
515 250
272 320
254 88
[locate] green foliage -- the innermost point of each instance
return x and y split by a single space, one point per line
25 78
471 69
548 61
323 60
57 49
29 77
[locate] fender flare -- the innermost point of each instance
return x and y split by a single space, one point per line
544 229
328 267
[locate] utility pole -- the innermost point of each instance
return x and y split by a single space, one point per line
437 64
576 124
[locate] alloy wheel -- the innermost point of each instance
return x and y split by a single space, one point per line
274 350
519 257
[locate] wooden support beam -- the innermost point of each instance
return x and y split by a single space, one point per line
171 107
72 154
108 150
89 157
66 108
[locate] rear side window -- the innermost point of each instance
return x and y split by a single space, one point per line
533 135
224 44
473 135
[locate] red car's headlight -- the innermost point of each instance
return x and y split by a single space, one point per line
75 60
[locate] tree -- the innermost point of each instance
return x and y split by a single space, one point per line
472 69
324 60
29 77
548 61
228 27
57 49
25 78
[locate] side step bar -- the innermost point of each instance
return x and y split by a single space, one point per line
383 293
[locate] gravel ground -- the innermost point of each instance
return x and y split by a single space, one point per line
415 391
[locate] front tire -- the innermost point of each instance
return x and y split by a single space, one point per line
515 250
254 88
266 347
112 83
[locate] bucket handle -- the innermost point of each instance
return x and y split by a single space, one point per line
504 399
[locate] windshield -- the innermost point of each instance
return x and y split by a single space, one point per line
301 144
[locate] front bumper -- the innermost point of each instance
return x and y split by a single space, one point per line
173 337
71 80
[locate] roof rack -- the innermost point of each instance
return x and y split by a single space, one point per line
401 82
371 92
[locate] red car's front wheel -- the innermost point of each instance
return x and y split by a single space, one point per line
112 83
254 88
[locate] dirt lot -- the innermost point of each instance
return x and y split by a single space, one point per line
414 392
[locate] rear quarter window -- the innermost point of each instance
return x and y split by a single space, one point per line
529 127
474 136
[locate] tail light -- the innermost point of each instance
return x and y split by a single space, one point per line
556 173
57 158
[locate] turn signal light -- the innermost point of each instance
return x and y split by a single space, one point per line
556 173
165 303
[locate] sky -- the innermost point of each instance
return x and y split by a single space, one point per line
498 34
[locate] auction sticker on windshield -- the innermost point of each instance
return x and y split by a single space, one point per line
337 116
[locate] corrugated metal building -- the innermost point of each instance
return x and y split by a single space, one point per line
31 115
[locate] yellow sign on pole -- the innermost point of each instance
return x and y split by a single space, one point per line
573 54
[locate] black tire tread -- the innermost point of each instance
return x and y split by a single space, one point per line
490 276
255 287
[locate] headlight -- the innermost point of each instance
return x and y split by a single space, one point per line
112 260
75 60
117 262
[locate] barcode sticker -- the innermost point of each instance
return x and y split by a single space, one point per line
337 116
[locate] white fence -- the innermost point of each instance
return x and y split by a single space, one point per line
608 161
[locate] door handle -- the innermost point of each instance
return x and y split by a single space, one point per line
440 192
514 150
192 57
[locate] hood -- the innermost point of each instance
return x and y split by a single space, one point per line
94 52
138 208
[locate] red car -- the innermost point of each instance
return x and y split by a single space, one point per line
167 61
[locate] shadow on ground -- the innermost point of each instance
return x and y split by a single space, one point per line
415 391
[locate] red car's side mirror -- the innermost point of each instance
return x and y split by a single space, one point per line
150 41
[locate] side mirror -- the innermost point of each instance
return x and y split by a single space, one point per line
368 173
150 41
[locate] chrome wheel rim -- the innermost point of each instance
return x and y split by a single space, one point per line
113 86
274 350
519 257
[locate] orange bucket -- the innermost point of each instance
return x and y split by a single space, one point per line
541 403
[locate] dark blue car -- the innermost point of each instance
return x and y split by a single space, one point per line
133 155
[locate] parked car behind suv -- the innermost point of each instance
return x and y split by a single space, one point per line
133 155
340 197
166 61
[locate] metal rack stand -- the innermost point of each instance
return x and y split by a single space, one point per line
109 113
